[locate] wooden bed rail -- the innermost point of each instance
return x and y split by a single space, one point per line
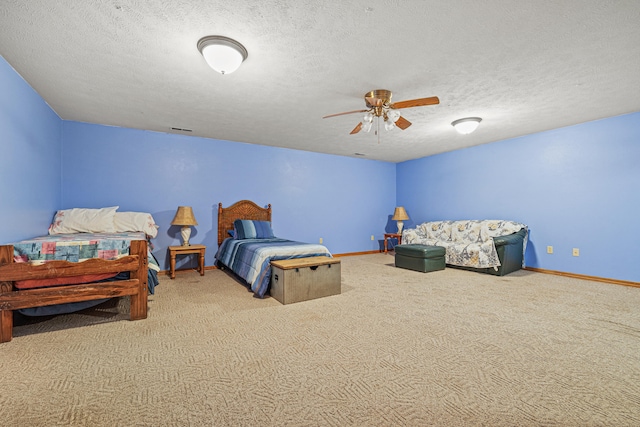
63 294
26 271
14 299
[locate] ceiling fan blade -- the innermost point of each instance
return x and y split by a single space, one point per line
356 129
403 123
342 114
416 102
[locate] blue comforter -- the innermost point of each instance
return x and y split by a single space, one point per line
251 259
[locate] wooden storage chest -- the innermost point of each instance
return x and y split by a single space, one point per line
302 279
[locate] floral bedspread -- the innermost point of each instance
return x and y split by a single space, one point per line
75 247
468 243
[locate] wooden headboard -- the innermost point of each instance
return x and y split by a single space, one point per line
244 209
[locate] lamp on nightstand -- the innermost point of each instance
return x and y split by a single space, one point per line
400 215
184 217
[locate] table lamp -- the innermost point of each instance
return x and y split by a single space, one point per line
400 215
184 217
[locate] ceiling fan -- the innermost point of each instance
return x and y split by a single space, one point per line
379 105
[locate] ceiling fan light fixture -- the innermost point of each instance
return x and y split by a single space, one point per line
393 115
366 126
223 54
388 124
467 125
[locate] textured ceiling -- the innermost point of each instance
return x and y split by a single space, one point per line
523 67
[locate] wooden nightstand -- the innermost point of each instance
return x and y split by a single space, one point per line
185 250
391 236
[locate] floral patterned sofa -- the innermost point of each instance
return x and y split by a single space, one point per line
490 246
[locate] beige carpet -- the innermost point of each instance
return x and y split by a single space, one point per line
396 348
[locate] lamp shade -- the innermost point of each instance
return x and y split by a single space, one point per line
184 216
400 214
223 54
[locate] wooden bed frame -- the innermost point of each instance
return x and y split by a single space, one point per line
300 286
244 209
14 299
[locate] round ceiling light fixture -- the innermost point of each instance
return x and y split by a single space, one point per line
223 54
466 125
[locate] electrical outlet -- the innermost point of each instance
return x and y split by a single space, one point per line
576 252
373 237
321 240
549 249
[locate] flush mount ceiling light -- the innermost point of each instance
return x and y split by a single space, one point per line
222 53
466 125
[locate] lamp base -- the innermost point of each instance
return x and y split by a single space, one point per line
400 225
185 232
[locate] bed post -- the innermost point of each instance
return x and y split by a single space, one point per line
221 233
6 316
138 301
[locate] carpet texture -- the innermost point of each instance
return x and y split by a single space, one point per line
396 348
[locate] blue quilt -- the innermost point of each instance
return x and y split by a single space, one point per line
251 259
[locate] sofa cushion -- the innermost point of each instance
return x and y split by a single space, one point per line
467 231
436 230
477 254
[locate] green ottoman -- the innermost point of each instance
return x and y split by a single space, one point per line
420 257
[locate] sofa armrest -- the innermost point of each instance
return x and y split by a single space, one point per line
510 239
510 252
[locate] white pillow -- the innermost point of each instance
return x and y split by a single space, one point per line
79 220
135 221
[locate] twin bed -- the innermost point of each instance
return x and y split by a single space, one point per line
65 272
247 245
13 297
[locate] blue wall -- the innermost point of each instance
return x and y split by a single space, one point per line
30 165
575 187
341 199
